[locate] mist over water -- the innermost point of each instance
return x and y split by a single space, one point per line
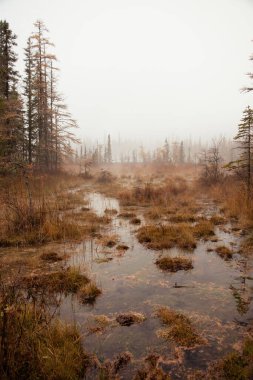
147 70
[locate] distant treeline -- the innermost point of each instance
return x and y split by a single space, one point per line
171 152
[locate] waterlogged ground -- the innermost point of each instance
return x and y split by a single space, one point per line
216 295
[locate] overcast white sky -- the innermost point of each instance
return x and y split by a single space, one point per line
147 69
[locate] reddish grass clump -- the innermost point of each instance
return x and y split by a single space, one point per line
174 264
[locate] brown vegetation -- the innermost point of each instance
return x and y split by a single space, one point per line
33 344
128 319
224 252
89 292
178 328
32 214
174 264
167 236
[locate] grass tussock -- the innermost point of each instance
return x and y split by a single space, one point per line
35 346
217 219
135 221
203 230
178 328
182 218
31 215
151 370
89 292
174 264
237 365
153 194
51 257
110 368
224 252
108 240
127 215
68 280
167 236
122 247
128 319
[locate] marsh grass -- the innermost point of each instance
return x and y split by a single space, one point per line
174 264
128 319
108 240
34 345
237 365
224 252
39 221
89 292
167 236
150 370
127 214
203 230
154 194
66 281
51 257
178 328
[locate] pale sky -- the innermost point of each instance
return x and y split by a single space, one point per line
147 69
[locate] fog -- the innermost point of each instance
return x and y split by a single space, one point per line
146 70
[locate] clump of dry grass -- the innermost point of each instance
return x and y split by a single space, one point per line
50 256
111 211
217 219
68 280
105 177
43 209
182 218
89 292
108 240
203 230
150 370
224 252
154 194
35 345
174 264
135 221
128 319
166 236
234 366
99 325
178 328
109 369
127 214
122 247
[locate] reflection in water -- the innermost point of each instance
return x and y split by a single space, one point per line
210 294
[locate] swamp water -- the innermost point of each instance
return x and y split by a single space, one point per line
216 295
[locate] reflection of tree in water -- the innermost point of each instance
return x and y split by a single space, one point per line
242 299
242 295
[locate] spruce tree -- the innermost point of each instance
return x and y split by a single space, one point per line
11 113
244 138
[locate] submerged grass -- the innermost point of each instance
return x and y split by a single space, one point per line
178 328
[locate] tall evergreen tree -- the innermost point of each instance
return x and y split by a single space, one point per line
11 115
244 139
